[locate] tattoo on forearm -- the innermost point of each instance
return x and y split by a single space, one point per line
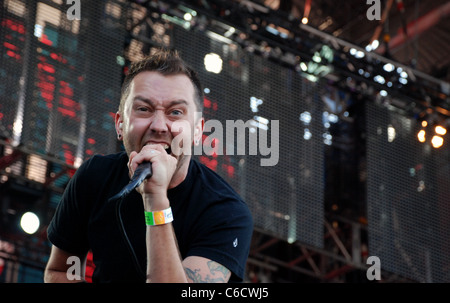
217 274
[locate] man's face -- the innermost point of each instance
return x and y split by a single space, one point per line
158 109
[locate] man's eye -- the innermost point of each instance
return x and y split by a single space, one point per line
142 109
176 112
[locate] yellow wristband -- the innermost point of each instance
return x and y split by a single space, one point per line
160 217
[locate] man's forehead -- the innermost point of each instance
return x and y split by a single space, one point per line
152 78
156 83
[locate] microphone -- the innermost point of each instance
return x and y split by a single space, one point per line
143 171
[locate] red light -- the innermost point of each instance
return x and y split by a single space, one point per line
45 40
47 96
67 112
69 157
45 77
229 169
206 103
69 103
10 46
212 164
21 29
46 86
66 91
90 266
11 54
91 140
89 152
49 69
46 67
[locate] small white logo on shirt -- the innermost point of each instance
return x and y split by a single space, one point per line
235 242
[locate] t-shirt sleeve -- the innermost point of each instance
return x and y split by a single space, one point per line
68 227
224 235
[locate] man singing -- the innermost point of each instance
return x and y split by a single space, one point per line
183 224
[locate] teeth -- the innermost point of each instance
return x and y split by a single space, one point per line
166 146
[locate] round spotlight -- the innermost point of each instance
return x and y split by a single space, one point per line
29 222
437 141
213 63
440 130
421 136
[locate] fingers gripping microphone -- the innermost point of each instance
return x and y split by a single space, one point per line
143 171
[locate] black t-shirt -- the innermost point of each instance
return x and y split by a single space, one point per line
210 219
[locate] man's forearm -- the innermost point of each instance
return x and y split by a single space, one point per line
54 276
163 257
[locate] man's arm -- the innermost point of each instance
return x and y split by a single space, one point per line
56 269
203 270
164 262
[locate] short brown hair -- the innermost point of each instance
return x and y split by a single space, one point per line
167 62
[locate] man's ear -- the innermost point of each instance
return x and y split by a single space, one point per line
198 132
118 120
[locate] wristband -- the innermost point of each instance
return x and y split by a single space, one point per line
160 217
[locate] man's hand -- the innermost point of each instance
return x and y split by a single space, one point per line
163 169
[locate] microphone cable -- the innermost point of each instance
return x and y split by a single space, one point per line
119 219
143 171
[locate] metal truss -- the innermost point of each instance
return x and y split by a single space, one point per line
278 37
342 260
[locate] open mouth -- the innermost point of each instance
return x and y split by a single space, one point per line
166 147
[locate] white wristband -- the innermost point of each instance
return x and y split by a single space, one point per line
158 217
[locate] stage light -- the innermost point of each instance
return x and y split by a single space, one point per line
303 66
403 81
389 67
213 63
187 17
372 46
29 222
305 20
437 141
421 135
440 130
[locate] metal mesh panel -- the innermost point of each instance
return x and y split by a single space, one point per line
408 192
59 77
286 199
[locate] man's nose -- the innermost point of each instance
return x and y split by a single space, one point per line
159 123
